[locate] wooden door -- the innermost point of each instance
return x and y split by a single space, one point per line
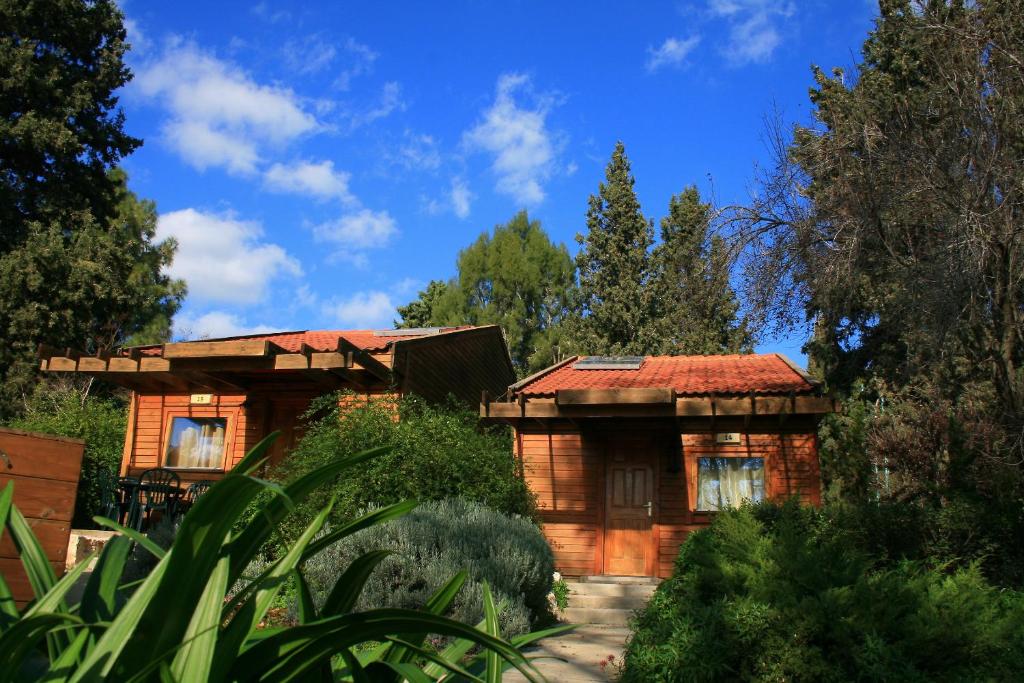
629 509
285 418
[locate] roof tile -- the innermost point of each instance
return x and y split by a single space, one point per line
688 375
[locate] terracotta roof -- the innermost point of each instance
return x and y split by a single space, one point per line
688 375
318 340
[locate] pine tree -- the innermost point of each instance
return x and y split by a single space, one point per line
514 277
616 314
696 305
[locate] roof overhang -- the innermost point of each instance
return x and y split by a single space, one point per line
663 403
222 366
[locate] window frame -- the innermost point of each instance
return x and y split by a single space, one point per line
716 450
230 419
705 456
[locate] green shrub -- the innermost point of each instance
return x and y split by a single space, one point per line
436 452
773 592
68 410
181 622
440 539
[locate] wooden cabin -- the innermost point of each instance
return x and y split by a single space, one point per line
629 455
197 407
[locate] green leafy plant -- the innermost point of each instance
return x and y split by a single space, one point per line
783 592
69 409
434 452
439 539
179 623
560 589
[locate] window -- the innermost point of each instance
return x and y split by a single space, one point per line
726 482
196 442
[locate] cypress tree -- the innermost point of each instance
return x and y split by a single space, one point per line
616 314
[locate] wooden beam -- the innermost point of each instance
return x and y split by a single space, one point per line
587 397
330 361
221 349
211 381
716 408
365 360
62 364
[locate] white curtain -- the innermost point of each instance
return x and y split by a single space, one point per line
726 482
196 442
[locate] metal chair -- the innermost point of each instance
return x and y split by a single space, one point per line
158 491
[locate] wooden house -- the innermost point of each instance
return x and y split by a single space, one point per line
628 455
198 406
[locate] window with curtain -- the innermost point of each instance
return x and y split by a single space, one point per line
196 442
727 482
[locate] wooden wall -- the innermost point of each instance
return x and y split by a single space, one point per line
45 471
250 418
565 469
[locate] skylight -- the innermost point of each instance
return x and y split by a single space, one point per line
407 332
609 363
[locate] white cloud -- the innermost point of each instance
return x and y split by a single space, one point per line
418 152
754 31
319 180
362 229
461 197
524 149
217 114
390 100
213 325
370 309
222 258
361 59
673 52
309 55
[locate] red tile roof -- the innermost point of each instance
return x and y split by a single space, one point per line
688 375
318 340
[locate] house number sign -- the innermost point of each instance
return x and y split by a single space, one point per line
201 399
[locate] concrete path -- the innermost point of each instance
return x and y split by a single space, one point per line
583 651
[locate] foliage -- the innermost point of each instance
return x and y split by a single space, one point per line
560 589
895 222
420 312
69 409
435 452
516 278
615 270
788 593
78 263
177 624
696 307
435 542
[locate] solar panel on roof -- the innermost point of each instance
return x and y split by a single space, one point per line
407 332
609 363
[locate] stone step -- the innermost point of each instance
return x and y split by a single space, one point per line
626 602
596 615
642 591
625 580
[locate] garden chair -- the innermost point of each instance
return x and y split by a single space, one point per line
110 500
192 494
158 491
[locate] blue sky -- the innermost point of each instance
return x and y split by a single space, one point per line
319 163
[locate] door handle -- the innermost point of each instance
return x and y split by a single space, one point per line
649 505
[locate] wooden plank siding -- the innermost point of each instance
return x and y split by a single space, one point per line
565 467
45 471
249 419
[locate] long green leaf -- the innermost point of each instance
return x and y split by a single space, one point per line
61 669
405 671
101 659
493 672
137 536
195 658
99 600
192 559
369 519
54 598
40 573
304 598
346 590
441 663
248 542
6 499
256 456
8 609
437 604
290 654
21 640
